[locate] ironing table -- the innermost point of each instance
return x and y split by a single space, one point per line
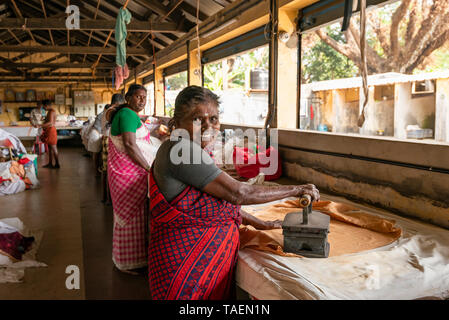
413 267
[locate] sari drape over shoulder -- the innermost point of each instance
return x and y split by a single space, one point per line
193 249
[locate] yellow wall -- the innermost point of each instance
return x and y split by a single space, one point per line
102 95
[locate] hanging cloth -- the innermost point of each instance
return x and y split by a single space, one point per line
123 18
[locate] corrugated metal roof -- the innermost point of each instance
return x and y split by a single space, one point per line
375 80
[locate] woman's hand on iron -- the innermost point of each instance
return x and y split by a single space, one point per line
310 190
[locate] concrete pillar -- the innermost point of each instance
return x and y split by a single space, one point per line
195 70
442 110
401 106
287 114
159 93
379 113
345 111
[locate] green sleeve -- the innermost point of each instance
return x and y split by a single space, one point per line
126 120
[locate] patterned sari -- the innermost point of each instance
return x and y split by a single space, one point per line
128 184
194 243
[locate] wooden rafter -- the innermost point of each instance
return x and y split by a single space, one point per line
19 14
86 24
104 46
72 49
90 34
44 65
45 15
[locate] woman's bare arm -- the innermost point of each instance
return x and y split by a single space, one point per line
238 193
51 119
249 219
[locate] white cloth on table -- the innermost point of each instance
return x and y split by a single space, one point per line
415 266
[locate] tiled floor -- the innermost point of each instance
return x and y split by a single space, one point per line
77 231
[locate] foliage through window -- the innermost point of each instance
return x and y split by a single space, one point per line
241 81
173 86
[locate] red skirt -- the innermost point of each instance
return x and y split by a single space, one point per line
193 248
50 136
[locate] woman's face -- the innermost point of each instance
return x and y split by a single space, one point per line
202 122
138 100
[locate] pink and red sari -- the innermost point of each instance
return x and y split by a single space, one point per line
128 184
194 243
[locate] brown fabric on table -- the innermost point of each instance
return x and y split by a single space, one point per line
351 230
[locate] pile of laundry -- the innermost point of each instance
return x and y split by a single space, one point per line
86 129
63 120
10 145
18 249
18 176
18 170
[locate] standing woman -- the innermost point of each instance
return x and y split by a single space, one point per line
129 160
50 136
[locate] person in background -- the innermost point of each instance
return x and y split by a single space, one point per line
130 156
117 99
37 115
50 136
95 135
195 207
94 140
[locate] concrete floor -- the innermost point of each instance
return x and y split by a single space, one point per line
77 231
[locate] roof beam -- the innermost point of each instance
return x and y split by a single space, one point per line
55 65
61 80
19 14
55 74
155 6
76 50
192 11
87 24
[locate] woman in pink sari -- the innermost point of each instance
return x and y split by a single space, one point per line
130 156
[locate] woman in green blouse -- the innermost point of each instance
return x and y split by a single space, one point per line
131 153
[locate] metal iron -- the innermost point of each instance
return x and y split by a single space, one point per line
306 234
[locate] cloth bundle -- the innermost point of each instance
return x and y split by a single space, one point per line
18 249
12 243
18 176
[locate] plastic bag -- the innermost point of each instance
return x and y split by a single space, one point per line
249 164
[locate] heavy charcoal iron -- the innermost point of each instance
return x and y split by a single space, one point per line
306 234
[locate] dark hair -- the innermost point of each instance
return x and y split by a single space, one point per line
131 90
189 98
117 98
46 102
